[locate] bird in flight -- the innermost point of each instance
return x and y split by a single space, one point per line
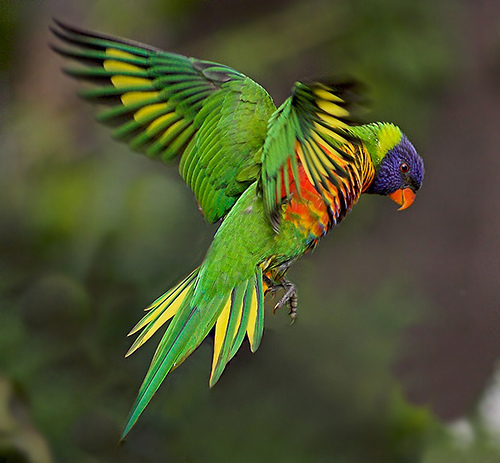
278 179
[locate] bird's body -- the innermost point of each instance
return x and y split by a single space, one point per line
278 178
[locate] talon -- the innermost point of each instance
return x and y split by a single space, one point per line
289 298
275 308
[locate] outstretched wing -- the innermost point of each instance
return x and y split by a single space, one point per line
308 130
164 105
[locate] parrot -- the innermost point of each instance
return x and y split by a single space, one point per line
277 179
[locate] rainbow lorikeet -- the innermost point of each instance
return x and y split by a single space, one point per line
278 178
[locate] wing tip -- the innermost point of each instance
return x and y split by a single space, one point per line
351 90
71 30
61 23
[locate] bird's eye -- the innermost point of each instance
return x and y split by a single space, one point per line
404 167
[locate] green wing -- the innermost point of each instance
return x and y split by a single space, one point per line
165 105
308 132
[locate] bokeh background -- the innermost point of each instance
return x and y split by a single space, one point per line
394 356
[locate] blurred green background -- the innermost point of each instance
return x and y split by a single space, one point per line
394 353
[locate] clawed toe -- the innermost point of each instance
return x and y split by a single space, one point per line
289 298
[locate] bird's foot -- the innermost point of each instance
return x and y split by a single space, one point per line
289 298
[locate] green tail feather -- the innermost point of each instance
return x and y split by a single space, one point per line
244 312
160 311
239 311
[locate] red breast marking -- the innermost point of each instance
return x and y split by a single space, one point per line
312 212
308 211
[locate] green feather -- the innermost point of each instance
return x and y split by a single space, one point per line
245 315
215 109
234 319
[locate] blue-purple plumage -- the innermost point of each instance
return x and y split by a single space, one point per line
401 168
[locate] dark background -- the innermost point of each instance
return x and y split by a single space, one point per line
393 356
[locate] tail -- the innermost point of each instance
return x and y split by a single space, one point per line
238 312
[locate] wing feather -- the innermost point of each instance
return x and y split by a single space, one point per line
167 105
307 130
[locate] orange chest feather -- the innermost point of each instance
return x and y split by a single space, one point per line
307 211
318 208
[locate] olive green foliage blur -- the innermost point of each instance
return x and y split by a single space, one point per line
90 234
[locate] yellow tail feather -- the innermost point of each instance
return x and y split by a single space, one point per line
161 311
242 313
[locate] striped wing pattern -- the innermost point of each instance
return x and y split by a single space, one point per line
164 105
314 213
307 133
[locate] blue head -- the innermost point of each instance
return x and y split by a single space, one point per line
399 174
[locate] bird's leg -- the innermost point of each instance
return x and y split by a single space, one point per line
289 298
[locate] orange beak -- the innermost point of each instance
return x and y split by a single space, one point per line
404 197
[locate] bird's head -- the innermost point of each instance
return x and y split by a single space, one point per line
399 170
399 174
